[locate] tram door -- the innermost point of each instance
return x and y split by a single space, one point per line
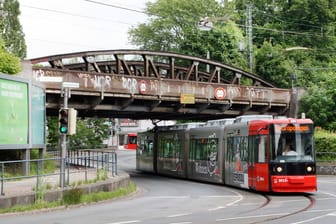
236 160
258 169
252 160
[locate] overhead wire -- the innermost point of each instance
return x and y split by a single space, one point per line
115 6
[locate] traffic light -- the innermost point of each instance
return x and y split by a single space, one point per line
67 121
72 120
63 125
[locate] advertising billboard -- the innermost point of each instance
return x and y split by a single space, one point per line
38 112
14 117
22 113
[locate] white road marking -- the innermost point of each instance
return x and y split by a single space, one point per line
220 196
249 217
215 209
327 193
125 222
168 197
180 223
309 220
178 215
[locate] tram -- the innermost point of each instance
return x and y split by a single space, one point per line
259 153
131 141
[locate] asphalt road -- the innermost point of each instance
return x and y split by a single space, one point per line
162 200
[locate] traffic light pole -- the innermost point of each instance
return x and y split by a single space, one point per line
66 94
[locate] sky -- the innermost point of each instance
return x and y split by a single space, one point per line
65 26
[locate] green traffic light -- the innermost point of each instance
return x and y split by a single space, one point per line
63 129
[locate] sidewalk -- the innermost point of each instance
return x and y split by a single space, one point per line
28 185
23 192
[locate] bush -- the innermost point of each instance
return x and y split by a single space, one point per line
72 196
325 145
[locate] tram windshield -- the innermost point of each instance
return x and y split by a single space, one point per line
292 142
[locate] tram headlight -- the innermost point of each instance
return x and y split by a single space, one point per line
309 169
279 169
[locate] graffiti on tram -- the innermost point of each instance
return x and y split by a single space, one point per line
204 151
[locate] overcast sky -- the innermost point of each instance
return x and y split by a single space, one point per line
65 26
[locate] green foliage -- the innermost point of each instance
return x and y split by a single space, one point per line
90 133
173 26
9 63
325 145
72 196
11 29
48 165
273 65
101 174
319 102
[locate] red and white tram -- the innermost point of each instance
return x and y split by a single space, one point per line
252 152
131 141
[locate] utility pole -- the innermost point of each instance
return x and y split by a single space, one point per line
249 35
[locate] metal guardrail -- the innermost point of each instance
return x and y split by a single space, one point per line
105 160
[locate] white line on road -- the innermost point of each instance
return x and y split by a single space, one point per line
178 215
249 217
327 193
125 222
315 218
215 209
180 223
220 196
168 197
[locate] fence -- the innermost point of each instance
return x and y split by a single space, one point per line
39 168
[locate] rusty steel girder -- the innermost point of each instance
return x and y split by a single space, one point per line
158 85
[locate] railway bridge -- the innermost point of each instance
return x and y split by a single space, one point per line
140 84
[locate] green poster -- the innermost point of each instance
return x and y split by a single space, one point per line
13 112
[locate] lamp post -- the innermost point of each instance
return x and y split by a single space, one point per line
293 76
205 24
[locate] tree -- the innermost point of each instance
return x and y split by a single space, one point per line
11 29
90 133
173 26
273 65
9 63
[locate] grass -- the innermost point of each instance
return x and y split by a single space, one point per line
72 199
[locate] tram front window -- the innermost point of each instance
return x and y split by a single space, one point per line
293 142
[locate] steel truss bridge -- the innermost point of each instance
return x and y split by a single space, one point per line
140 84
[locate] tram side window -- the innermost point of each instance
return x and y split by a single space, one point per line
202 149
169 148
257 148
237 148
148 148
261 146
229 151
252 148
